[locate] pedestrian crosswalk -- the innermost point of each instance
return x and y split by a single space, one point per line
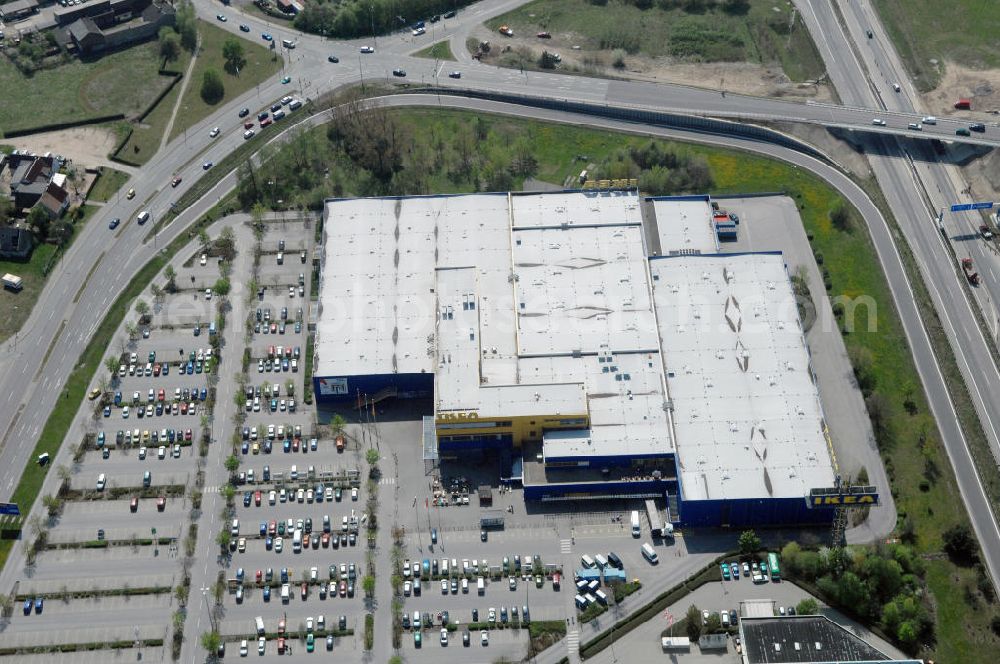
212 489
565 546
572 641
387 480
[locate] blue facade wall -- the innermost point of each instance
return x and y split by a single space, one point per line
604 461
751 512
609 489
501 442
347 388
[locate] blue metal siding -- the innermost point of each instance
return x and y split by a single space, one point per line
751 512
602 461
502 442
610 489
407 386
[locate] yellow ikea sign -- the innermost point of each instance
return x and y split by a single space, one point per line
472 415
837 500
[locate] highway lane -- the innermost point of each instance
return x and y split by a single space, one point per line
914 189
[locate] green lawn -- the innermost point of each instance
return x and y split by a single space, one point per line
966 33
121 82
766 34
260 66
438 51
17 306
145 139
108 184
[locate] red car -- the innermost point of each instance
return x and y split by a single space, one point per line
161 395
281 645
272 528
305 541
281 625
156 369
256 498
187 434
184 409
305 590
265 122
295 445
544 35
260 576
270 351
175 182
343 588
248 124
325 540
161 503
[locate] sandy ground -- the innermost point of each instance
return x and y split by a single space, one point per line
85 146
736 77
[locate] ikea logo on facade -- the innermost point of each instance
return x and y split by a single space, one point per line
838 500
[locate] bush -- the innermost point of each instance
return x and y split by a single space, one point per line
618 58
960 545
212 88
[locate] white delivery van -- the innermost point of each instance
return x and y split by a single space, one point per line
284 593
601 597
581 602
143 217
601 561
259 622
590 598
480 585
294 104
649 554
581 584
586 561
297 541
288 43
725 618
636 530
444 567
593 585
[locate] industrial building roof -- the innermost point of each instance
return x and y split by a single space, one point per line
520 305
805 640
747 414
684 225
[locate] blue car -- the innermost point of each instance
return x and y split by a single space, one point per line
263 528
246 447
266 36
100 439
268 542
246 499
288 445
284 575
190 368
267 593
107 411
118 398
38 604
166 369
204 394
239 574
113 224
267 450
27 607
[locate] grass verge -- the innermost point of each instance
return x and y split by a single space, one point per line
966 37
766 34
261 64
108 183
438 51
122 81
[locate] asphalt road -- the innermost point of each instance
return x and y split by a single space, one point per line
916 185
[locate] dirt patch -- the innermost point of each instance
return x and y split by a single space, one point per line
85 146
980 85
736 77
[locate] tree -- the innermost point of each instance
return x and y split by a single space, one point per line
170 44
372 457
203 239
736 6
232 52
693 618
186 23
749 542
171 274
64 474
210 641
337 423
111 364
807 607
221 287
212 88
141 308
38 217
960 544
223 537
232 463
157 292
714 623
132 330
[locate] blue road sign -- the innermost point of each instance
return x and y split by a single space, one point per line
10 508
962 207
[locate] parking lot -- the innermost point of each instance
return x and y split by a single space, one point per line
111 557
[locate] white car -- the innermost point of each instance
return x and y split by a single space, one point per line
279 544
930 119
248 134
208 293
895 86
484 637
418 32
243 648
142 453
309 624
493 615
354 493
878 122
161 452
444 636
444 586
367 49
271 497
261 645
214 132
406 588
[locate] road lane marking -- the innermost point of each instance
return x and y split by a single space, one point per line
86 280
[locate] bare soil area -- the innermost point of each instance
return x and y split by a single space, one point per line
85 146
735 77
982 86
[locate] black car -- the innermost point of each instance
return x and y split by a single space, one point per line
244 112
475 615
399 72
332 58
113 224
435 18
465 638
450 14
455 74
979 126
244 27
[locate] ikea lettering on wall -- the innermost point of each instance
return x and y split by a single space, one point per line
460 416
835 500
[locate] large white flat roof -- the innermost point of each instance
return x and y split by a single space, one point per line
684 225
747 413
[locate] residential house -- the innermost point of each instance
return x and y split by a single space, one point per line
31 176
16 243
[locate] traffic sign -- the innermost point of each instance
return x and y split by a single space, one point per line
10 508
962 207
